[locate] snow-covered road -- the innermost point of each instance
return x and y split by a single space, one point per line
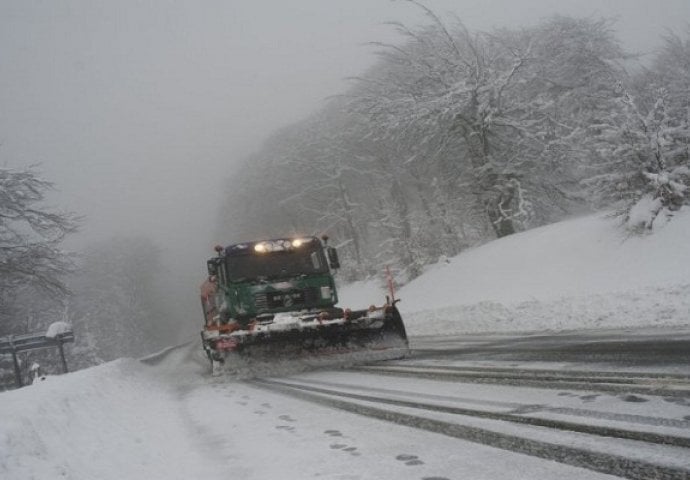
432 416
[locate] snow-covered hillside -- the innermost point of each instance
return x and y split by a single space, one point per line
581 273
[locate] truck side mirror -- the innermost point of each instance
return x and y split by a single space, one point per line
332 254
212 266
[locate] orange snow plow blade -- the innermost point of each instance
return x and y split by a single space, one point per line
310 339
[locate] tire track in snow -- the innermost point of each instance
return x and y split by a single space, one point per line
645 384
519 407
579 457
647 437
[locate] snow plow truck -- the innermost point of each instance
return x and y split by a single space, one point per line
276 300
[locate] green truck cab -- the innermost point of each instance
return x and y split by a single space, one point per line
256 280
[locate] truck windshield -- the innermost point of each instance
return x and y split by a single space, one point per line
275 265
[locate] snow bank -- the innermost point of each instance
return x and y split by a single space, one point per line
582 273
42 427
636 308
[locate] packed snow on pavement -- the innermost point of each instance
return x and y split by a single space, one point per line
167 419
128 420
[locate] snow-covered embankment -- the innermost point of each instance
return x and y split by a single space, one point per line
581 273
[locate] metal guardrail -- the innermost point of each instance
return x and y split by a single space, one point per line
20 343
14 344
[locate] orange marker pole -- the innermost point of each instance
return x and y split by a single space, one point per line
391 288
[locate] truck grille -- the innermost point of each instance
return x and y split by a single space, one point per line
296 298
261 301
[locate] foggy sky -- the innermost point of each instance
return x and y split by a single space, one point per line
137 109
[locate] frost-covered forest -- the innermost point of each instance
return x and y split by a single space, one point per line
111 293
455 137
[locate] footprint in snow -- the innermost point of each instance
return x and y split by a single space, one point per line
589 398
287 428
266 405
410 460
333 433
341 446
287 418
678 400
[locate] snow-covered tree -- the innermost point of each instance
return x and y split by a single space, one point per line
454 137
500 102
642 145
320 157
31 235
117 306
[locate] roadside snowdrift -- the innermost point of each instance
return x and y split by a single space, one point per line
80 426
580 273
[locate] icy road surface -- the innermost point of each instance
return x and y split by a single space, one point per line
449 412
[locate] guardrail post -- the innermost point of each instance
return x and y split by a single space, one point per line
17 371
62 355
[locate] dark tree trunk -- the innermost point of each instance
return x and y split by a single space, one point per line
500 210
